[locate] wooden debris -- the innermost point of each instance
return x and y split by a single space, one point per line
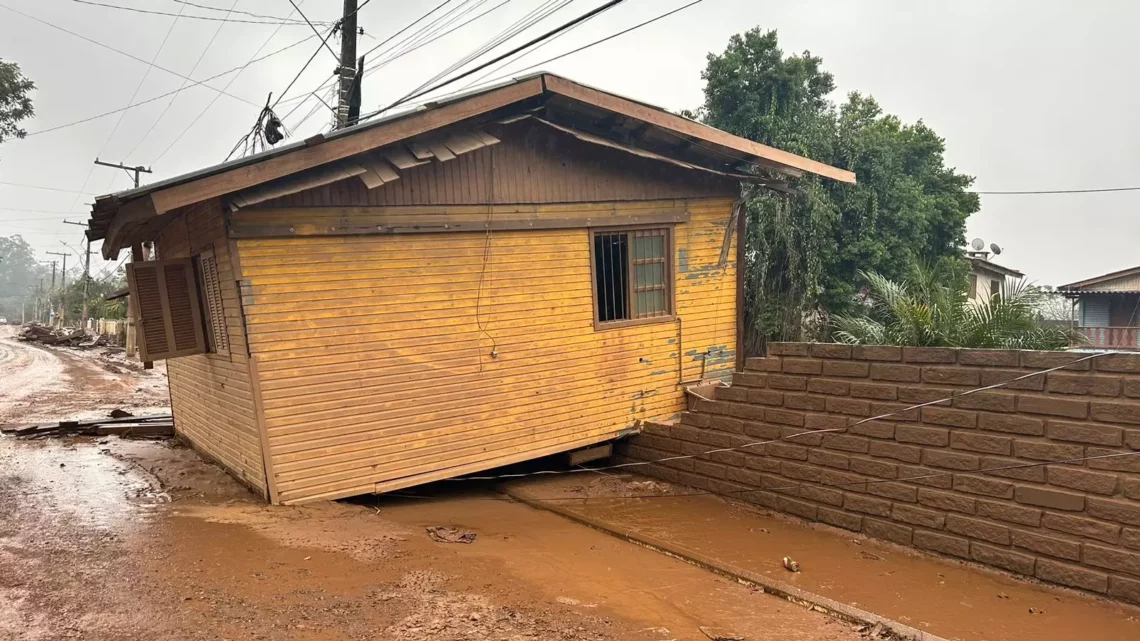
138 426
448 534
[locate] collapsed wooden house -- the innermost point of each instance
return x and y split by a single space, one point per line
529 269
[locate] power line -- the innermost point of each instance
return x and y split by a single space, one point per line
169 93
288 19
788 437
318 33
598 42
1100 190
192 16
66 191
118 51
183 86
530 43
228 83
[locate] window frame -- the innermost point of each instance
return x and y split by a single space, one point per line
212 349
670 276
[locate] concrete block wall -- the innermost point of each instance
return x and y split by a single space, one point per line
932 478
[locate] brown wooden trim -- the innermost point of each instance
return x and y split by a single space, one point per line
687 127
342 147
388 224
262 430
670 276
741 284
167 321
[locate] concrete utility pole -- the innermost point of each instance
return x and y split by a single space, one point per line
62 285
86 273
130 300
51 293
347 69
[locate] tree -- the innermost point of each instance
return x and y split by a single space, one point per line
15 105
804 253
1056 307
20 276
930 308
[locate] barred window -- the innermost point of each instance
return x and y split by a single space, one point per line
632 275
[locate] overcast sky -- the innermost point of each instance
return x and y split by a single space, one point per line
1028 95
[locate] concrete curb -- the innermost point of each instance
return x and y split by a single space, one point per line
830 607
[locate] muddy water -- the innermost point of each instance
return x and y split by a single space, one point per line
113 540
948 599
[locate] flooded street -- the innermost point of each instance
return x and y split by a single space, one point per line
111 539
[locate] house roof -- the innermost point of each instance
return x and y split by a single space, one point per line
982 263
1101 284
131 216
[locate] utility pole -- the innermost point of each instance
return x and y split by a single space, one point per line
139 169
347 70
62 285
86 272
130 299
51 296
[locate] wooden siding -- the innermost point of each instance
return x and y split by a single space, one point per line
213 394
532 164
375 352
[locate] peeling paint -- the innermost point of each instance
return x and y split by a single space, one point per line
682 260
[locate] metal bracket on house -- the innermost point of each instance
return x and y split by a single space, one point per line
529 269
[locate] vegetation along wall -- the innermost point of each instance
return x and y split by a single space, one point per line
931 478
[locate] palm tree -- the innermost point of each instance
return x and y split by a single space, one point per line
929 310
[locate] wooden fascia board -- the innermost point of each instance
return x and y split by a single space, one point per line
134 212
1124 273
686 127
339 148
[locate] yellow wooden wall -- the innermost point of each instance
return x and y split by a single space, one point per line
212 394
375 362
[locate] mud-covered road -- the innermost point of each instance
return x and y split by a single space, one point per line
116 540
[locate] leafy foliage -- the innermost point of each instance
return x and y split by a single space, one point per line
15 105
930 309
20 275
804 253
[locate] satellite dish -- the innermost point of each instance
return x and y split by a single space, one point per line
978 244
995 249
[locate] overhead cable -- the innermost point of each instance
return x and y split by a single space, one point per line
318 33
788 437
1097 190
169 93
118 51
272 21
287 19
184 83
530 43
229 82
66 191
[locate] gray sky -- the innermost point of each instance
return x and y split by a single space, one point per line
1028 95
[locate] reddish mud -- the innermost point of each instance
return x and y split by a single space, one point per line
105 539
946 598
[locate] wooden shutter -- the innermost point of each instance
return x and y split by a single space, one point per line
169 317
211 286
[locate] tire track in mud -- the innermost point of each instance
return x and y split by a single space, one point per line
26 371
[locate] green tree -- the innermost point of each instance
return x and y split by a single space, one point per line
930 309
15 105
20 276
804 253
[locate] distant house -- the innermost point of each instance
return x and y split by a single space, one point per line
987 278
1109 308
526 270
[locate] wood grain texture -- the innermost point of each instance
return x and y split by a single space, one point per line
212 394
375 352
532 164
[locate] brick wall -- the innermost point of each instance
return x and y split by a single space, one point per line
1076 525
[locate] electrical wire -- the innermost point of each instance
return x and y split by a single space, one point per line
184 82
1099 190
526 45
288 19
215 98
189 16
66 191
536 15
169 93
852 484
325 41
118 51
681 457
